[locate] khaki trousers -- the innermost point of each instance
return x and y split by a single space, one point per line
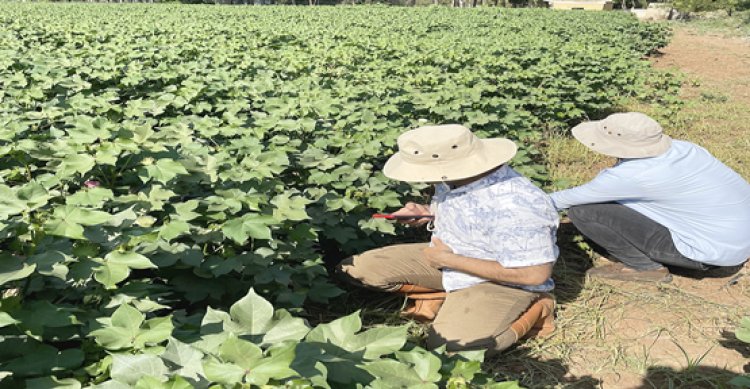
478 317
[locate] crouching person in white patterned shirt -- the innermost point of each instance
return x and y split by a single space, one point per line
484 278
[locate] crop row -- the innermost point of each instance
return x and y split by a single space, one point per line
158 159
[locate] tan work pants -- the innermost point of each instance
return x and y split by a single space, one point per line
478 317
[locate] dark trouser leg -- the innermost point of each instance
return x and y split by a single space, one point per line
628 236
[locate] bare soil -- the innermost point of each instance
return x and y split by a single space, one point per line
715 60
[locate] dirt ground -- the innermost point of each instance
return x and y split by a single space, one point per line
680 335
715 60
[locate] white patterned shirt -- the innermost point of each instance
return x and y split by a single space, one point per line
502 217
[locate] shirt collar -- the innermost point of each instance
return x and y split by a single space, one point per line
496 176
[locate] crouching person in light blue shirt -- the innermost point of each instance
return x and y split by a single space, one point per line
665 203
482 280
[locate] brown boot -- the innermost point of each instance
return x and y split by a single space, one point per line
538 320
423 303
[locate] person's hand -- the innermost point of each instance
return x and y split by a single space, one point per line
414 209
435 256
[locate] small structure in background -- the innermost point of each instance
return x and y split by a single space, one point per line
590 5
656 11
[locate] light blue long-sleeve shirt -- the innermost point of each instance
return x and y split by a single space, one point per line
704 204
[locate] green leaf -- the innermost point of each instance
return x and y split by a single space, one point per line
253 313
37 315
174 229
289 207
394 374
10 204
130 368
127 317
43 360
52 382
34 195
176 382
68 220
240 352
93 197
155 331
378 341
248 226
743 332
13 268
130 259
122 330
286 328
111 384
338 332
742 381
276 366
185 211
186 357
425 364
223 373
110 274
75 163
163 170
6 320
51 263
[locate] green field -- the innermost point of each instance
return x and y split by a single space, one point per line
159 161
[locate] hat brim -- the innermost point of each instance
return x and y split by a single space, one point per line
494 152
590 135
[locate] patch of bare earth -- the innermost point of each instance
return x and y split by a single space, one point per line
715 60
678 335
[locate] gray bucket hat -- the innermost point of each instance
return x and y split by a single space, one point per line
446 153
624 135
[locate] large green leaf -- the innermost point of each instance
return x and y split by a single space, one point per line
276 366
253 313
43 360
110 274
372 343
425 364
13 268
175 382
338 332
223 373
163 170
184 356
39 315
130 259
248 226
394 374
52 263
285 328
154 331
68 221
75 163
130 368
240 352
7 320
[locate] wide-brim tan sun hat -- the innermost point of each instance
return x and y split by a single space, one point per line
446 153
624 135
